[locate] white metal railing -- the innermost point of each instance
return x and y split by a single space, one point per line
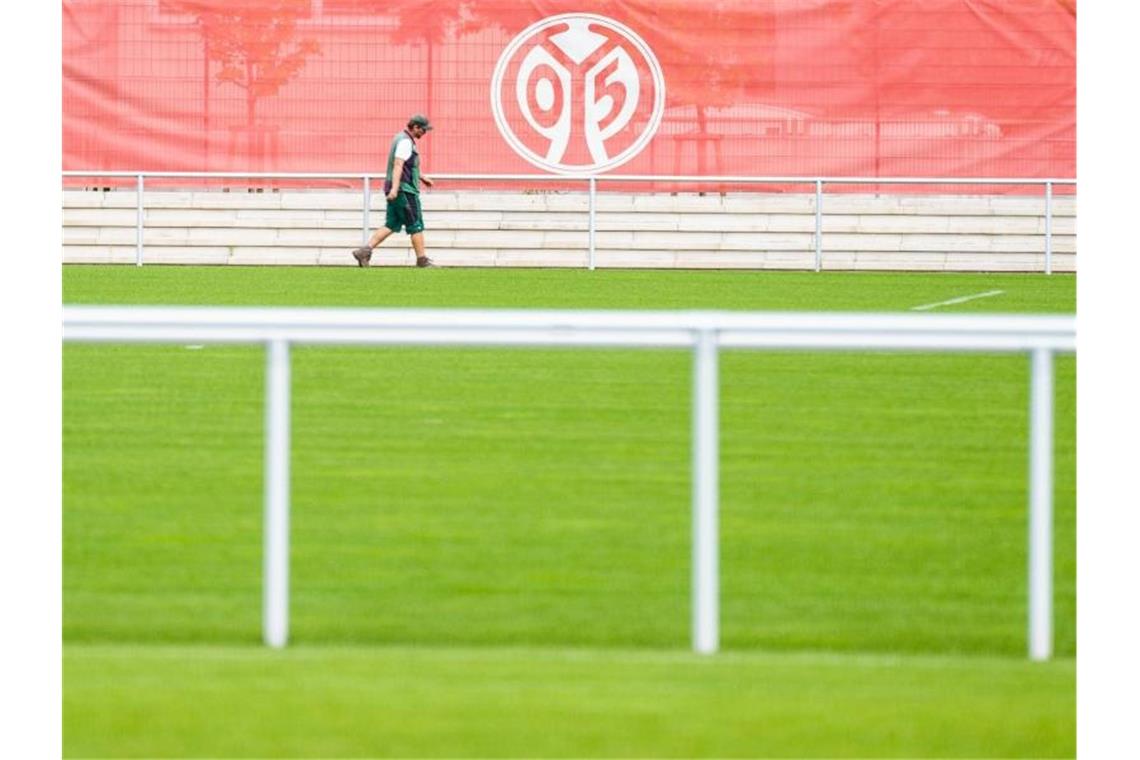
703 332
592 181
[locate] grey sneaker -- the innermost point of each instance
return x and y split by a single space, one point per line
425 262
362 256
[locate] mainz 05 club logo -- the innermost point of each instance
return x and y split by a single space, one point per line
577 93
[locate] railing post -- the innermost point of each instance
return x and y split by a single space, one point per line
818 225
1041 505
275 620
593 219
367 207
138 220
1048 227
706 455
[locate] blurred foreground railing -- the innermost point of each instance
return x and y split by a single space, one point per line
592 186
705 333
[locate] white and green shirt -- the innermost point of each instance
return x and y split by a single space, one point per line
404 147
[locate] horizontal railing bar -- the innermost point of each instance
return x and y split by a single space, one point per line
851 331
391 336
888 341
688 178
835 180
530 318
225 175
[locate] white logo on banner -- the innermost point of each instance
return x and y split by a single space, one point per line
585 92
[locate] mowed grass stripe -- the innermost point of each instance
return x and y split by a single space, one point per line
563 288
459 702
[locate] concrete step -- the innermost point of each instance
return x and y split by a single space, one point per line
551 229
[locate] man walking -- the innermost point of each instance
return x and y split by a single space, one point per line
402 189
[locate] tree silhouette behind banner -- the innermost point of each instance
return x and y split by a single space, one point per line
255 46
704 58
434 23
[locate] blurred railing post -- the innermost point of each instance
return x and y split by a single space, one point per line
275 617
706 463
1041 505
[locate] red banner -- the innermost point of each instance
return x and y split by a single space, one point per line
888 88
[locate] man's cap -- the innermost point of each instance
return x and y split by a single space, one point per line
419 120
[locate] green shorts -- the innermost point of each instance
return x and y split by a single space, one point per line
405 212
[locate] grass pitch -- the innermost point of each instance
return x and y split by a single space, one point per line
490 547
227 701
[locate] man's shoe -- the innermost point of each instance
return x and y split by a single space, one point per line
425 262
362 256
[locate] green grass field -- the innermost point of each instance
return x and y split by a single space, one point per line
490 547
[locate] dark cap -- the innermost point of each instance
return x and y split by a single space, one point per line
419 120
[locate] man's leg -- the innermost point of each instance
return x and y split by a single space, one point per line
378 237
418 246
364 255
415 227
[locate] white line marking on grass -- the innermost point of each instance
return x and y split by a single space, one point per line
963 299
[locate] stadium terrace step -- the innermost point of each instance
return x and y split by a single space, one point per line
493 229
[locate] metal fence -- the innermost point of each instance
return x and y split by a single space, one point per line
704 333
592 182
